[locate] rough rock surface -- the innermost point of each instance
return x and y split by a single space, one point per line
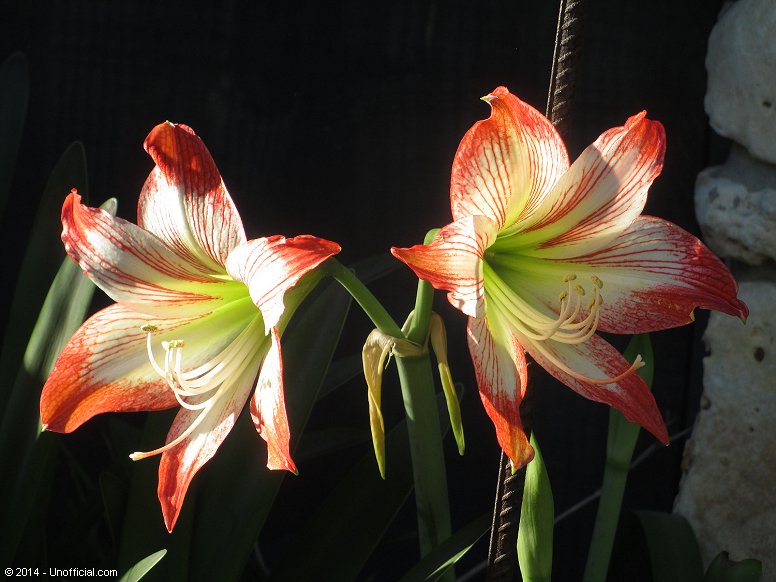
727 490
741 63
736 208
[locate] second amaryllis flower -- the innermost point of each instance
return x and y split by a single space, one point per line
542 254
198 316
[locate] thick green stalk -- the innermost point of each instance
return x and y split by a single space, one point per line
428 464
363 296
418 331
420 405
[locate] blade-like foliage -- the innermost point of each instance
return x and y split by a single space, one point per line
537 517
142 568
673 549
434 565
43 254
25 456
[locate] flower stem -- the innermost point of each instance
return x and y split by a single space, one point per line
428 465
418 331
420 405
368 302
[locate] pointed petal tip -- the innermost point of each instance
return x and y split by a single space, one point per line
498 93
282 465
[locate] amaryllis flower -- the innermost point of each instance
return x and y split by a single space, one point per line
540 255
198 315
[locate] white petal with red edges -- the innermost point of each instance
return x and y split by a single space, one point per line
506 164
268 409
135 268
598 360
184 201
105 366
654 275
180 463
271 266
601 194
502 376
453 261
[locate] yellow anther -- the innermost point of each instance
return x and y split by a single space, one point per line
563 296
173 344
149 327
569 277
580 290
597 282
591 304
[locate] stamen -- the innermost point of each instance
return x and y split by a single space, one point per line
565 327
150 328
217 375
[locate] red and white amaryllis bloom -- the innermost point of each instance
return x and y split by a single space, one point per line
542 254
198 315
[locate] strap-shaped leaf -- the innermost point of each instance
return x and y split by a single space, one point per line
434 565
621 441
25 456
43 254
142 568
537 517
673 549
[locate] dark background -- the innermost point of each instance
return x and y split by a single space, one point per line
341 120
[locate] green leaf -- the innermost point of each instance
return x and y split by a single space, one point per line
434 565
236 498
537 517
723 569
14 95
23 453
673 549
44 251
621 441
142 568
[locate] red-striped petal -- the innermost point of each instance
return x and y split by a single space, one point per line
135 268
104 368
184 201
453 261
597 359
502 376
602 193
179 464
506 164
268 409
271 266
654 275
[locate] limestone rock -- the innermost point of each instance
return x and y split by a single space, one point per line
741 63
727 490
736 208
